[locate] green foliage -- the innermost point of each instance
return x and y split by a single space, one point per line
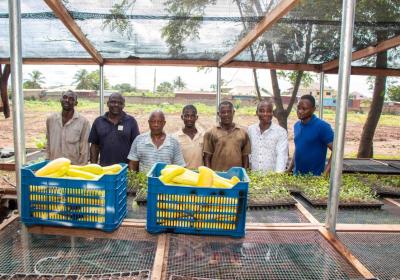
278 185
40 142
188 17
306 80
89 80
136 181
179 83
118 19
352 190
35 80
124 88
165 87
393 92
270 186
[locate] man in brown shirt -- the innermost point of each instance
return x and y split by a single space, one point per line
68 132
226 145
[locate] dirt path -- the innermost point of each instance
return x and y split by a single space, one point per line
386 140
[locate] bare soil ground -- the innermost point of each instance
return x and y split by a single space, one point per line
386 140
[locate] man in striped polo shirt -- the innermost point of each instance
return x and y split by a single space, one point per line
154 146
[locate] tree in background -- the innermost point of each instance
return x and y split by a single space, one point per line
124 87
165 87
179 83
393 91
4 75
224 84
35 81
81 78
375 11
89 80
293 41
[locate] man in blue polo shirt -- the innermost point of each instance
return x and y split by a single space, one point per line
312 138
112 134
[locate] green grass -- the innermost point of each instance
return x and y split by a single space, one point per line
53 105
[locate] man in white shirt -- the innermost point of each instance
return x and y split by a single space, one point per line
269 142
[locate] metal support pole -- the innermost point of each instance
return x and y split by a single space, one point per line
14 7
101 90
346 44
321 95
218 90
17 94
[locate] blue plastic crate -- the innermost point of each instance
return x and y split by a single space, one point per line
194 210
71 202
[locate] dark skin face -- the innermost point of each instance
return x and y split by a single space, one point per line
226 116
157 123
189 118
68 101
265 114
115 105
305 110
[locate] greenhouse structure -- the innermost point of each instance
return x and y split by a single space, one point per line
301 241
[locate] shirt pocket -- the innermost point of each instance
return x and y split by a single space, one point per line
73 136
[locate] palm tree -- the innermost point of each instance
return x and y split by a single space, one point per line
82 79
179 83
36 79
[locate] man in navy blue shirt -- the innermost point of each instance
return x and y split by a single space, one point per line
112 134
312 138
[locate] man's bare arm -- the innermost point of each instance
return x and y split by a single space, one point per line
94 153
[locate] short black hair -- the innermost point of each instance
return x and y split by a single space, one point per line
117 95
189 107
73 93
265 102
309 98
223 103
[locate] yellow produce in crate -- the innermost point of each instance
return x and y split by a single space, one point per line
91 168
75 173
53 166
173 172
60 173
112 169
178 176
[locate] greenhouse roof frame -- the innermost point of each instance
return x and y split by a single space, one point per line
265 23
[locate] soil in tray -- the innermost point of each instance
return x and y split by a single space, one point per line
323 203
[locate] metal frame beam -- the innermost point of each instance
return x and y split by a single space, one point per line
366 71
269 19
62 13
346 43
368 51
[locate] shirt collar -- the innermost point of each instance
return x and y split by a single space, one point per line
74 116
313 118
234 125
271 127
180 133
148 141
124 117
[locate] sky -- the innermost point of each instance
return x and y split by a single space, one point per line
56 75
